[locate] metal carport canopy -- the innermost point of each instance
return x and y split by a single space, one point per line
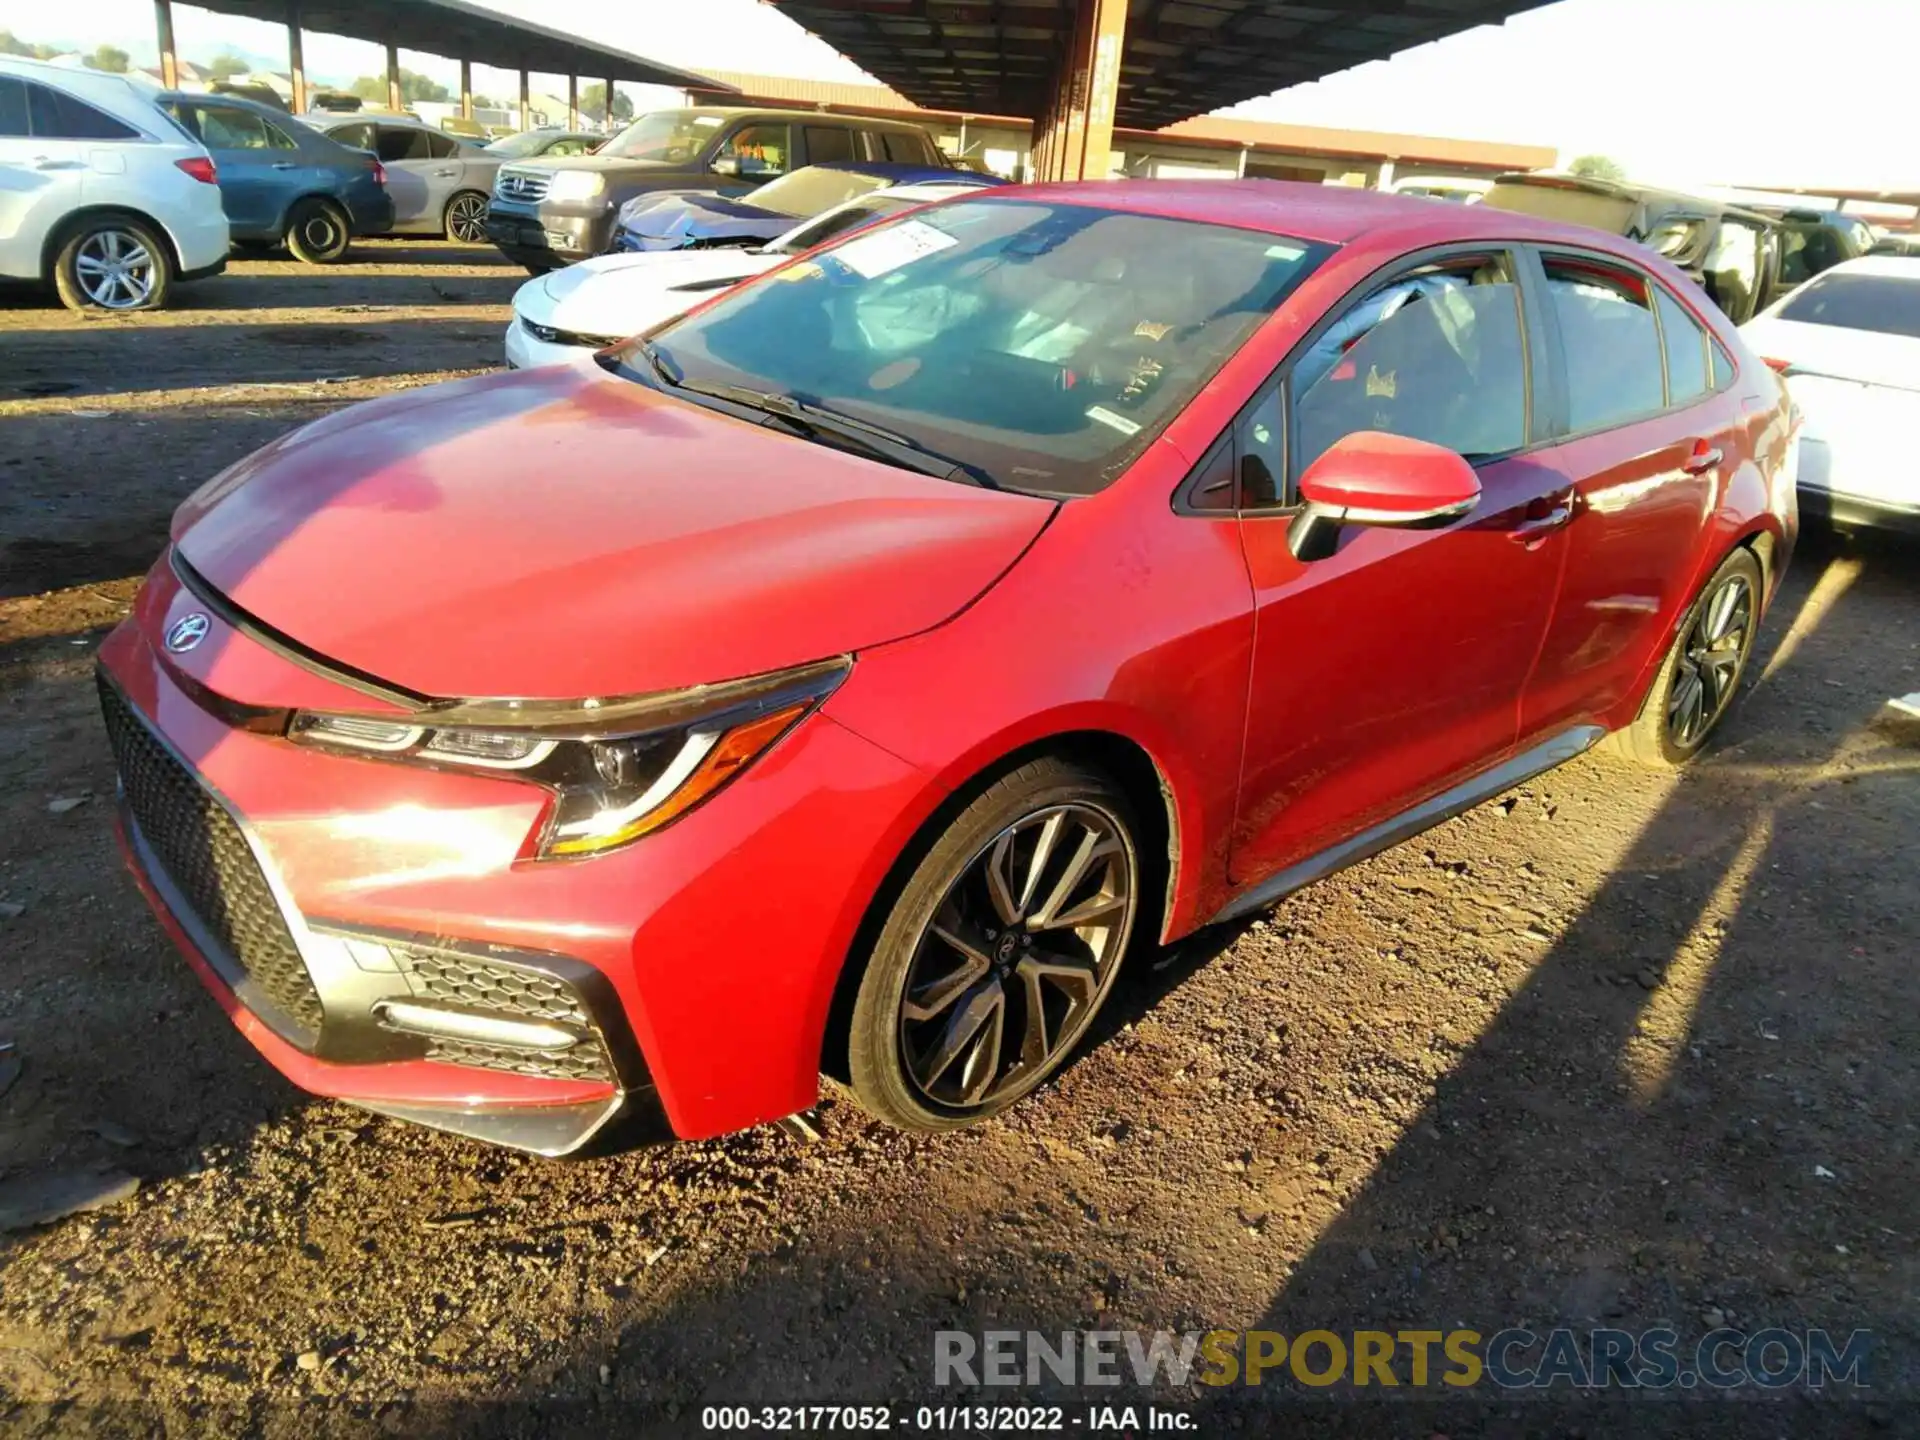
1180 58
457 30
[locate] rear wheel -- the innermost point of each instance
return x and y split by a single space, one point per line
110 262
1701 675
1000 950
466 218
318 233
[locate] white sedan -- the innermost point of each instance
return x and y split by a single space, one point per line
1848 343
602 301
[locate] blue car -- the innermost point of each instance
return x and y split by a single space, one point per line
283 182
695 219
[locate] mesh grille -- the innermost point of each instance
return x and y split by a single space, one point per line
475 983
586 1061
488 985
209 862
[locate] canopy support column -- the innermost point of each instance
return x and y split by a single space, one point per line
466 89
394 100
1073 137
573 102
169 60
526 103
296 58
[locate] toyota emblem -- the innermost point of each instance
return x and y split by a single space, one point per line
187 632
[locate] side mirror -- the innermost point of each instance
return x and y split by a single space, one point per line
1372 478
726 165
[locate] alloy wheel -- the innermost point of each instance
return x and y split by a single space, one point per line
319 231
1710 661
115 270
467 219
1017 957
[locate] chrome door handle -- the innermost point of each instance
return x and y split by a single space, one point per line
1703 458
47 162
1545 524
285 165
446 174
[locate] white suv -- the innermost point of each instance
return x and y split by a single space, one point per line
101 193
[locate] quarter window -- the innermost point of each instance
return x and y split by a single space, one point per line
441 147
360 136
1686 345
1436 355
1610 341
904 149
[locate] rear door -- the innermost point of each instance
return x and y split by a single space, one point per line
51 146
1393 668
259 166
1649 427
411 178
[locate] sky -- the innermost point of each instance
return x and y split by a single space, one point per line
1679 91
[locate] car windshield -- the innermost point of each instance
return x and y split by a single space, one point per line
1041 345
1888 304
518 147
809 191
672 136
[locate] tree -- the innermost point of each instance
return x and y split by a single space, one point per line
486 102
593 103
413 86
1598 167
226 65
12 46
110 58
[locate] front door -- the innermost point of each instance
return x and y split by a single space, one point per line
1394 667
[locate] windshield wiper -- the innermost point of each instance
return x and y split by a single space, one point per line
817 420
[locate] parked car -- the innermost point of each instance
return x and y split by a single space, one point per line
257 91
102 195
283 182
532 144
1896 243
1812 241
1459 189
1733 252
600 302
439 182
1848 343
551 212
704 220
850 674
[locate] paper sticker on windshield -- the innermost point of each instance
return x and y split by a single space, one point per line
707 122
1109 417
1285 252
874 255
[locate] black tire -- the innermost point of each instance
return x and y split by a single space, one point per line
318 232
256 247
1670 730
462 222
538 270
113 262
894 1055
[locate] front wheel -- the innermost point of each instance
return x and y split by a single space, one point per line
466 218
1000 950
1701 674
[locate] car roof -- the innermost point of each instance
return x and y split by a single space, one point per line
924 191
225 97
775 112
1330 214
899 172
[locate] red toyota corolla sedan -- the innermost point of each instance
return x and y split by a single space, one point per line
848 675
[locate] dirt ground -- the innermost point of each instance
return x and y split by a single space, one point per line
1617 1050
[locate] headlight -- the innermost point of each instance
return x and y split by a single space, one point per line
575 185
618 769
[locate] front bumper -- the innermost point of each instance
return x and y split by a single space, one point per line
328 900
546 236
525 349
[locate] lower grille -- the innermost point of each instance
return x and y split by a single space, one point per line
208 861
586 1061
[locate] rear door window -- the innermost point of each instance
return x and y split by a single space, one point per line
905 149
55 115
441 147
13 107
1436 355
225 129
1886 304
397 142
1609 339
1686 348
827 143
359 136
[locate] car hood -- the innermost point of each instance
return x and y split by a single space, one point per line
561 533
627 293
